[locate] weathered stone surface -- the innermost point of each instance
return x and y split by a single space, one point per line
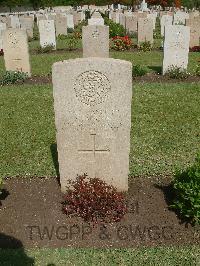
165 21
176 47
194 25
2 28
15 47
40 17
131 24
77 17
27 24
61 25
95 41
15 23
70 21
96 21
180 18
92 103
47 33
122 20
145 30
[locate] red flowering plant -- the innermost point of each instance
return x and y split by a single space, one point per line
121 43
195 49
94 201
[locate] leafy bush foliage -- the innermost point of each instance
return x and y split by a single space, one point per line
121 43
78 28
11 77
187 192
197 71
177 73
145 46
46 49
115 29
72 43
139 71
62 37
157 35
87 14
94 200
36 35
70 30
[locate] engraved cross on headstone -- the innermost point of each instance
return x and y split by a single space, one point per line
94 151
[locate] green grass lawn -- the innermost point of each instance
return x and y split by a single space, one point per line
168 256
165 129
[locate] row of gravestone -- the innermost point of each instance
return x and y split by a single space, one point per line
143 23
140 23
95 39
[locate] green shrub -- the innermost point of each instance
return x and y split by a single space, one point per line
177 73
70 30
11 77
46 49
139 71
187 192
157 35
78 28
62 37
145 46
87 14
72 43
35 32
115 29
197 70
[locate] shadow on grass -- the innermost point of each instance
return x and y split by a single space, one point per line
12 252
54 154
170 196
157 69
3 195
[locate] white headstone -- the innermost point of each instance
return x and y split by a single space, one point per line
15 23
145 30
27 24
16 54
70 21
176 47
165 21
61 25
95 41
47 33
2 28
180 18
96 21
92 103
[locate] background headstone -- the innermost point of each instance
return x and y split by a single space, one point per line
145 30
47 33
27 24
16 54
176 47
95 41
165 21
61 25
